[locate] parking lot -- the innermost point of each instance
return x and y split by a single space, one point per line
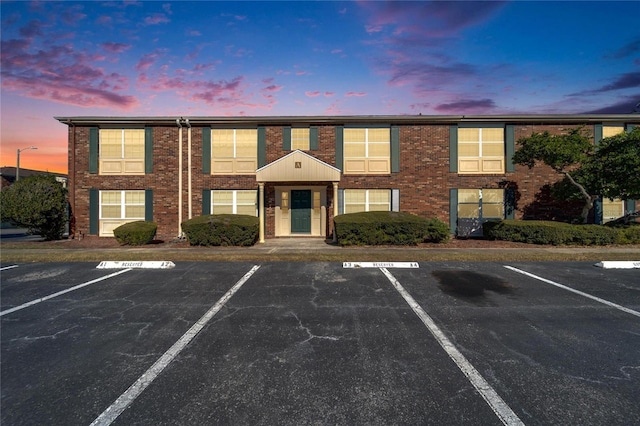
320 343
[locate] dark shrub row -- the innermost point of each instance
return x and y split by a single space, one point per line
393 228
222 230
554 233
136 233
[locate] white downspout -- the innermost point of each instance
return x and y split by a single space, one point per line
189 165
179 178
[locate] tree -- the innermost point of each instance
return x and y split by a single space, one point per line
564 154
614 169
37 203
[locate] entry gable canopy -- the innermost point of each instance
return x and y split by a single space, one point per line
298 166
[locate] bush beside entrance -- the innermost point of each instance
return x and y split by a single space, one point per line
392 228
222 230
554 233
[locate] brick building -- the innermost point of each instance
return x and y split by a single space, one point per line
299 172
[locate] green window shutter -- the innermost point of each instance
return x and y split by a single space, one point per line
395 200
206 202
597 133
453 208
453 151
629 206
148 205
510 148
395 149
206 151
339 147
148 150
262 146
313 138
340 201
598 213
94 211
93 150
286 138
509 203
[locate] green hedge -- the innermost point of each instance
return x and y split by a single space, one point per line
136 233
392 228
222 230
554 233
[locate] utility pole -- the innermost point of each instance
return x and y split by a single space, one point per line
18 160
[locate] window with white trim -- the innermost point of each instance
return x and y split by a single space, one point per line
121 151
612 209
234 202
481 150
234 151
118 208
608 130
367 200
367 150
481 203
300 139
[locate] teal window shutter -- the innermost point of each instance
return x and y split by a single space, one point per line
339 147
206 151
148 150
509 203
206 202
313 138
340 201
395 149
453 208
597 133
629 206
598 213
94 211
453 151
286 138
93 150
630 127
395 200
262 146
148 205
510 148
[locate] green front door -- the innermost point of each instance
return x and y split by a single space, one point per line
300 212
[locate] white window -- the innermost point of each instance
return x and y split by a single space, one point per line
300 139
367 151
481 150
234 151
118 208
234 202
121 151
367 200
612 209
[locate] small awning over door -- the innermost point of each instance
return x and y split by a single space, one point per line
298 166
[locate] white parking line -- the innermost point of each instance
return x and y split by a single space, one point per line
497 404
8 267
51 296
114 410
587 295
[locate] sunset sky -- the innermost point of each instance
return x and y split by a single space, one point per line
202 58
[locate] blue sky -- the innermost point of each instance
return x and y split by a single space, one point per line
307 58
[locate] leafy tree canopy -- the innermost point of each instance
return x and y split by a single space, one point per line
37 203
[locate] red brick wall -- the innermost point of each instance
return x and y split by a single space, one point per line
424 179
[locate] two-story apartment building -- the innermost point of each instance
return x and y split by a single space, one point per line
297 173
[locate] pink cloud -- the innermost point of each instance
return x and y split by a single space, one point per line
115 47
156 18
356 94
329 94
312 94
146 61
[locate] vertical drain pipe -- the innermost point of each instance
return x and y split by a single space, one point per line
189 166
179 177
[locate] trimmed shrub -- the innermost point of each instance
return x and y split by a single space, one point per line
136 233
392 228
222 230
545 232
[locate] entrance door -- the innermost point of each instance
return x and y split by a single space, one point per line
300 212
